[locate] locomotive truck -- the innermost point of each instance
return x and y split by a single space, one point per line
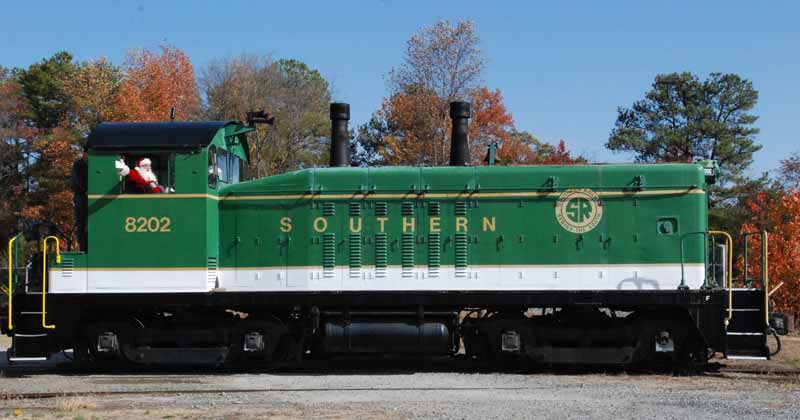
608 263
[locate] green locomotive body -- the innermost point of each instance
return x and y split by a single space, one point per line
346 260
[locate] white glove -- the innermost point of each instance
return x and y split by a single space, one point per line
122 168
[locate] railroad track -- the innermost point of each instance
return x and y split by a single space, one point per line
48 395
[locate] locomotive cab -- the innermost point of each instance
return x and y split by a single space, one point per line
135 232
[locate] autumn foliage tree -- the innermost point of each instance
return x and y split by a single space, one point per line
777 211
443 63
155 82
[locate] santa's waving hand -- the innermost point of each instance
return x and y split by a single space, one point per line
142 177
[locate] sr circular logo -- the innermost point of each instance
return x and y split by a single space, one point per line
579 210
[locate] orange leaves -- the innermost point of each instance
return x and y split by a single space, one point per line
780 216
420 123
419 132
154 84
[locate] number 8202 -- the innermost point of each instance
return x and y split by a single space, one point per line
147 224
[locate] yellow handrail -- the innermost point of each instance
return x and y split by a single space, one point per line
44 278
11 282
729 271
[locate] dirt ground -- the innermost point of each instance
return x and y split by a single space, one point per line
390 389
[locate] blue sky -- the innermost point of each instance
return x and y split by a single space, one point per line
563 67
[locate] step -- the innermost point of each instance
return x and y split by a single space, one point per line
27 359
746 358
30 345
747 321
748 299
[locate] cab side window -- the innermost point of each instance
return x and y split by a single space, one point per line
224 167
213 169
159 165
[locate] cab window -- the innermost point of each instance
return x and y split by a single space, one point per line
162 165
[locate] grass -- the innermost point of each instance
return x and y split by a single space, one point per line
76 404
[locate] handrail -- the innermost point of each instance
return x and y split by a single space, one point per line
44 278
729 271
765 274
11 281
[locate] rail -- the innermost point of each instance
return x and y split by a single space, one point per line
44 278
729 270
764 268
10 290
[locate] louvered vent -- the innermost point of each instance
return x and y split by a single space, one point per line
67 267
355 255
461 208
434 208
407 254
381 258
434 254
328 255
328 209
381 209
211 271
461 254
355 209
408 208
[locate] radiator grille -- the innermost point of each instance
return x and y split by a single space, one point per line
381 258
407 255
328 254
434 254
355 256
461 254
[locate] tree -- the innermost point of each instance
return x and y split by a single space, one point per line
156 82
297 95
43 89
15 133
790 171
443 59
407 131
92 89
523 148
779 214
442 63
683 119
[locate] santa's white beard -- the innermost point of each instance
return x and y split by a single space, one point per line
147 174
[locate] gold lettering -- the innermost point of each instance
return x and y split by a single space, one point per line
382 221
489 224
461 224
408 222
286 224
355 229
435 224
320 224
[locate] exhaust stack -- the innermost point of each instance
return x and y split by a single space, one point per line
340 144
459 139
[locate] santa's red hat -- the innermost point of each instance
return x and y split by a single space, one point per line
143 161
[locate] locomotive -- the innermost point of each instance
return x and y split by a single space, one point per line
609 263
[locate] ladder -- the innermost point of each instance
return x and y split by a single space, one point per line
27 322
747 324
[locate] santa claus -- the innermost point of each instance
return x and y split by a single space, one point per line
142 179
